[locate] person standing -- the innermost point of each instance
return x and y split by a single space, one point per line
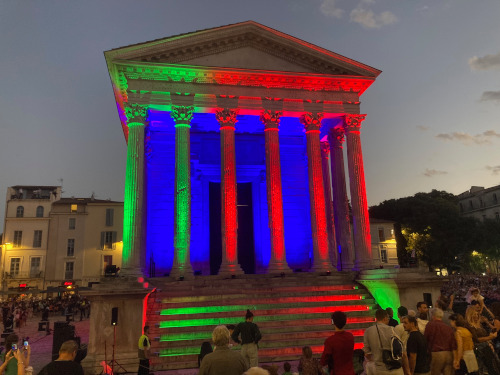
416 348
144 345
441 343
250 337
339 347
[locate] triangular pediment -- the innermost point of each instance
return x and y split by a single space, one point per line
246 45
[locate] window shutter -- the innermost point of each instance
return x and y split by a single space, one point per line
102 239
114 240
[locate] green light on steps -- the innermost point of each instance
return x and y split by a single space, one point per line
186 336
385 292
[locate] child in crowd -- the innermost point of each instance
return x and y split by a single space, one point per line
307 364
288 368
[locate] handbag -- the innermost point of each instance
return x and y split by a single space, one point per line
389 360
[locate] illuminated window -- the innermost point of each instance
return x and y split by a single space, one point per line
68 270
18 238
35 267
15 264
39 211
381 234
20 211
37 238
74 207
72 223
108 240
109 216
383 254
71 247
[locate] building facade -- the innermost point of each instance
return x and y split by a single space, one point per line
480 203
384 248
236 139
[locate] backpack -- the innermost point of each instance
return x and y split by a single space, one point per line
392 357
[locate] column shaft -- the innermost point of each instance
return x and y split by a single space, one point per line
182 202
271 121
362 237
321 261
133 256
229 214
345 260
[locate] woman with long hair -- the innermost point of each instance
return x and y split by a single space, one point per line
467 363
485 352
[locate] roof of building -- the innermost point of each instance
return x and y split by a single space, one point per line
74 200
45 187
477 190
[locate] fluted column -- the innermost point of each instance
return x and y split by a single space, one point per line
362 238
312 124
325 164
345 257
133 255
229 215
271 120
181 267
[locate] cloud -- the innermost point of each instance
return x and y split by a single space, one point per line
490 96
368 19
433 172
329 9
422 127
468 139
488 62
495 170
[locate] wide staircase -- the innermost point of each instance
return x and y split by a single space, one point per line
291 312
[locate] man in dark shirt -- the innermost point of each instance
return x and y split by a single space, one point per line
64 364
250 337
416 348
441 343
392 322
339 347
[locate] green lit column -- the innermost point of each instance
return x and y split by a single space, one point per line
182 116
133 249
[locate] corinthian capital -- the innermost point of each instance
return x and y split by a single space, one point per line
226 116
181 114
353 122
270 119
325 149
136 113
311 121
336 136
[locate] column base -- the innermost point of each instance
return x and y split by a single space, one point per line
348 266
227 269
363 265
132 272
186 273
322 267
278 267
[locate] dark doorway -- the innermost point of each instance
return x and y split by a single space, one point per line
246 248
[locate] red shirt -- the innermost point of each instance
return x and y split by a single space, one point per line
341 347
440 337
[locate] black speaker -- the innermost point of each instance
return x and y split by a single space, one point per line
62 332
428 300
114 316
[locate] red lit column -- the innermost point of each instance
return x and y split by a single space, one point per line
227 120
312 124
181 267
345 259
361 221
325 164
133 250
271 120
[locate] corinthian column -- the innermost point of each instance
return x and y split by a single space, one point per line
271 120
133 249
362 238
312 124
325 164
345 259
182 116
227 120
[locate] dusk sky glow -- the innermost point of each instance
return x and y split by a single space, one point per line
433 115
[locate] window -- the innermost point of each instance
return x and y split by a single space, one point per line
497 216
461 207
74 207
68 270
108 260
18 238
72 223
71 247
109 216
35 267
39 211
15 264
20 211
481 204
495 199
383 254
108 240
471 205
484 217
37 239
381 234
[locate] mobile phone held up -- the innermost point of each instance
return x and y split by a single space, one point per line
26 345
14 347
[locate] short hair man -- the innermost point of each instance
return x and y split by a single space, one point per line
64 364
441 343
373 349
422 316
416 348
399 329
223 360
339 347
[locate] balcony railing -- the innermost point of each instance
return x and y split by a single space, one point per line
24 275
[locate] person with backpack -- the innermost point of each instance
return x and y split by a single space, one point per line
384 349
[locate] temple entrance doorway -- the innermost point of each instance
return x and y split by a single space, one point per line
246 243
